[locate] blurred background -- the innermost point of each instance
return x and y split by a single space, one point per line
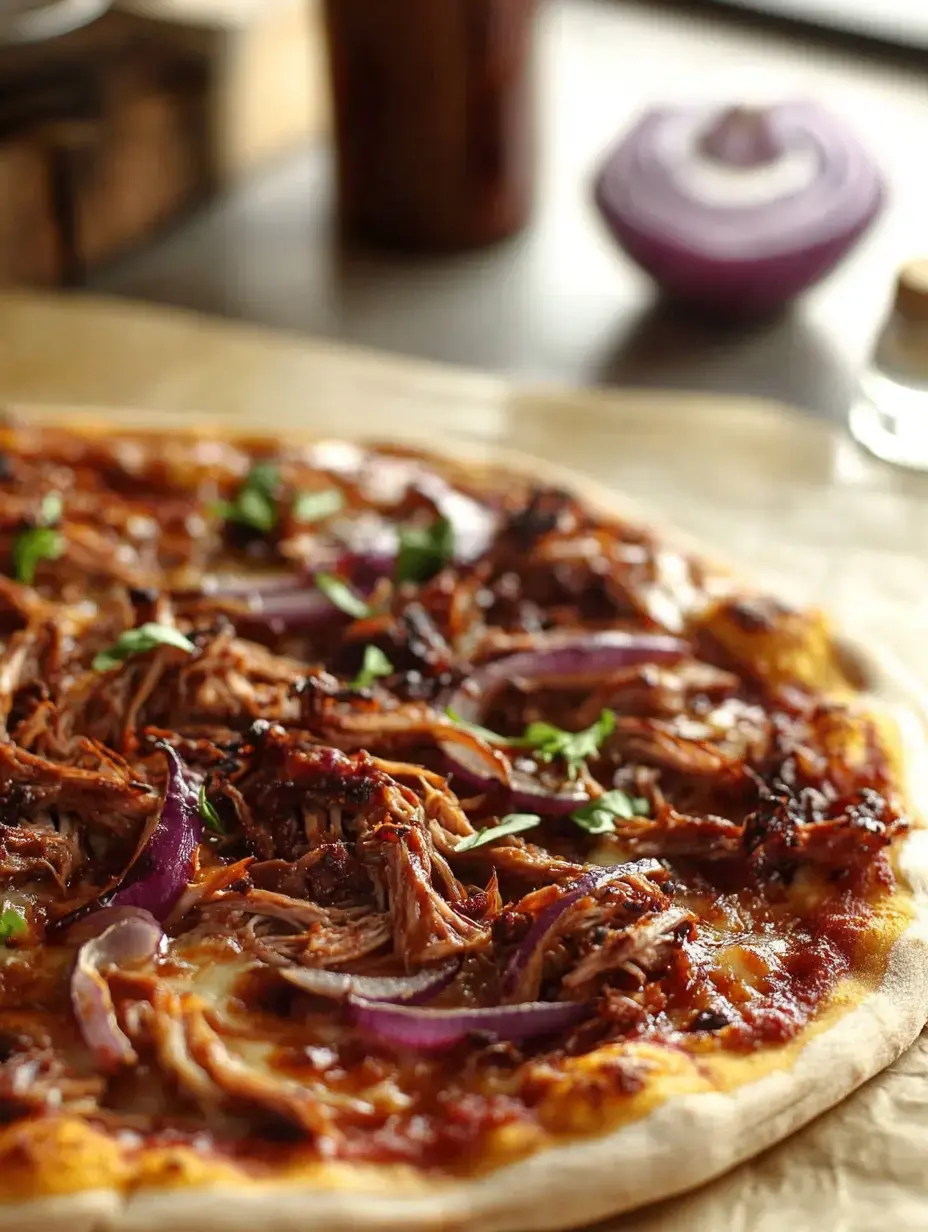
418 175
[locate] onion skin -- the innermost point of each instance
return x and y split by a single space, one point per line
163 870
594 656
130 937
741 258
434 1030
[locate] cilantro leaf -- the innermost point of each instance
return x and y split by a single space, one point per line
340 593
255 503
314 506
512 823
206 810
548 742
599 816
32 545
137 641
39 542
375 665
12 923
424 551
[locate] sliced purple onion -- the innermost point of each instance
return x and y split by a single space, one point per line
531 949
740 209
405 989
162 871
130 939
432 1030
589 658
246 586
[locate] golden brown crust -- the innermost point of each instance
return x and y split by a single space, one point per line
733 1106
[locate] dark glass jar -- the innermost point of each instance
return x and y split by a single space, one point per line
433 111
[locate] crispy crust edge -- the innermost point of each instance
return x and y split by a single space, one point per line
574 1183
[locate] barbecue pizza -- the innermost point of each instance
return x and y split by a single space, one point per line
395 842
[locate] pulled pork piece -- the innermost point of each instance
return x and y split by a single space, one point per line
669 833
791 825
39 1081
426 928
643 949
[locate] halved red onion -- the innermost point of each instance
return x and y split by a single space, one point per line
161 873
432 1030
589 658
738 209
130 939
405 989
531 948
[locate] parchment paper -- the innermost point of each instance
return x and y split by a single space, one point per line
790 498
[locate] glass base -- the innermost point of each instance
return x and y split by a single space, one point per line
900 435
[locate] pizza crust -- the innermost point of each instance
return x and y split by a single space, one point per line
571 1184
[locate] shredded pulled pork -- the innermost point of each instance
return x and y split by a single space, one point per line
350 823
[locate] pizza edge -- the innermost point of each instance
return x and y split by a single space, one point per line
867 1023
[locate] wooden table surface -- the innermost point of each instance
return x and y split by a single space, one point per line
789 497
559 302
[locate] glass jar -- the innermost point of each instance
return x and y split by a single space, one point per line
433 117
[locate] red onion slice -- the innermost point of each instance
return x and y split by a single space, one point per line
162 871
531 948
431 1030
407 989
130 939
589 658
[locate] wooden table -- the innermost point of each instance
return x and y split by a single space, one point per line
788 496
559 302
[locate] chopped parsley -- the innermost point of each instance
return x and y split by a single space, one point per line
255 503
211 818
376 665
512 823
337 591
314 506
424 551
39 542
599 816
12 923
137 641
547 742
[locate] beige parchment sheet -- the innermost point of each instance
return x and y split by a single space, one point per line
792 499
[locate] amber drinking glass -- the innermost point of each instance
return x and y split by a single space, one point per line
433 110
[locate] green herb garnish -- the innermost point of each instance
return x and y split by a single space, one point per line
12 923
546 741
39 542
375 666
599 816
314 506
206 810
424 551
513 823
255 503
340 593
137 641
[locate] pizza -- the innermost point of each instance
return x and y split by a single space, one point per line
395 841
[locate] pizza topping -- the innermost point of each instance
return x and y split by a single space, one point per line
163 868
128 940
39 542
297 904
571 662
429 1029
405 989
139 641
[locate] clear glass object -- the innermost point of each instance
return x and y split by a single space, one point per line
889 416
30 21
